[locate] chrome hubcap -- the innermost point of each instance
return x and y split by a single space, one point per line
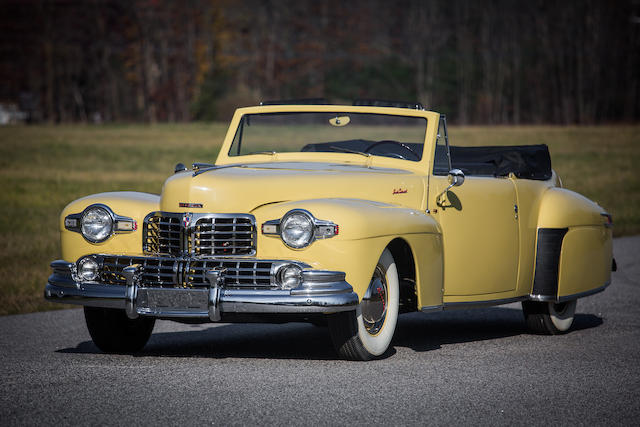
375 302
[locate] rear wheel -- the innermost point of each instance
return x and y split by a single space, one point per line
367 332
549 318
113 332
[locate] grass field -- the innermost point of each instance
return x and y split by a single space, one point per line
42 168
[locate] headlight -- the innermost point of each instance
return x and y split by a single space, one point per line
290 276
88 269
96 224
297 228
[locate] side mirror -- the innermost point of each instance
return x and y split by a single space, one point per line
456 178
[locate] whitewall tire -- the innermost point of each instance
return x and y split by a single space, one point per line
367 332
549 318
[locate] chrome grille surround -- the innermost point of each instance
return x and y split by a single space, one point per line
190 272
199 234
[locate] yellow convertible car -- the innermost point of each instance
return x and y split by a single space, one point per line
346 215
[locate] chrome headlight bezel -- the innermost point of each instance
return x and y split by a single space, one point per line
319 229
301 221
101 232
83 265
116 223
289 276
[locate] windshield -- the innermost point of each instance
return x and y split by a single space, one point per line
400 137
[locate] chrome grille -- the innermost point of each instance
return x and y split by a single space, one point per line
185 234
223 236
163 234
156 271
167 272
240 274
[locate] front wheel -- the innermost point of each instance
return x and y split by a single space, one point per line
113 332
549 318
367 332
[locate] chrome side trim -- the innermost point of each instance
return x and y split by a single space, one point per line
542 298
489 303
334 285
322 276
571 297
432 308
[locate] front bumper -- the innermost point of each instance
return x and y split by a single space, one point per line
319 292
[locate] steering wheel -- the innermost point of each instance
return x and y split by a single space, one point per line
389 141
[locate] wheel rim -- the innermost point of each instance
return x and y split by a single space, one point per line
375 302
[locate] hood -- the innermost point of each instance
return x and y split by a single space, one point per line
243 188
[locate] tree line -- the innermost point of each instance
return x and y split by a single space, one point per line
489 62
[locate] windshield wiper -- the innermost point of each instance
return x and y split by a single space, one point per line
346 150
273 153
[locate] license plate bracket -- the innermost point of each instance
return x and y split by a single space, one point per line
172 301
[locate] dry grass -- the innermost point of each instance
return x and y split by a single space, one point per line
42 168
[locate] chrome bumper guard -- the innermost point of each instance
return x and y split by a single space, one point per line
319 292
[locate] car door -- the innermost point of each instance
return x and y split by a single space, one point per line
480 231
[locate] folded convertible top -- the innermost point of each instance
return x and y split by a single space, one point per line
525 161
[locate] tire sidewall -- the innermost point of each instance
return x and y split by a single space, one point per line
562 321
377 344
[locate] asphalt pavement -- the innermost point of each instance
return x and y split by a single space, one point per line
459 367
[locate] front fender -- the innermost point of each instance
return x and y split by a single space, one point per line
125 203
358 219
366 228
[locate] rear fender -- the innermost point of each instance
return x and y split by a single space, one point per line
574 246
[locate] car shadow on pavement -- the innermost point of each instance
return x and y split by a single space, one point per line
417 331
425 332
241 340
